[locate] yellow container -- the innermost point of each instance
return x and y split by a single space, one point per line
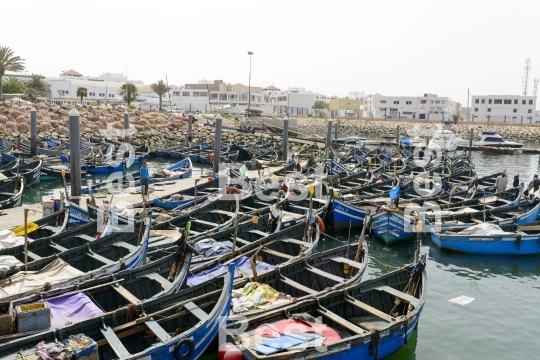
19 230
311 190
32 306
336 193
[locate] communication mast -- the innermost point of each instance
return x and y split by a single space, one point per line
535 89
525 80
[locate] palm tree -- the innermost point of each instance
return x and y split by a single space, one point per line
161 89
82 92
39 87
129 92
8 62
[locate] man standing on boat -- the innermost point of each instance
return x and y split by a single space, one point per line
144 180
534 185
501 182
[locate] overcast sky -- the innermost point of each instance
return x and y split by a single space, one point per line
377 46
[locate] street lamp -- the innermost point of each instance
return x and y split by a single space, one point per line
249 84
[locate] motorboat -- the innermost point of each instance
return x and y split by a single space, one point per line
445 139
491 138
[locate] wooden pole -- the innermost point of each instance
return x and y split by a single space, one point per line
26 239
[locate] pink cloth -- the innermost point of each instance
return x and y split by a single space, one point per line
291 326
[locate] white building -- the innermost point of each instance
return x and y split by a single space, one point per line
294 101
429 106
496 107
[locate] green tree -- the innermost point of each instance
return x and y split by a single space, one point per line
13 85
161 89
31 94
129 92
8 62
82 92
38 84
319 106
455 117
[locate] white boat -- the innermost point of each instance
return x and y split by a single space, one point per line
491 138
445 139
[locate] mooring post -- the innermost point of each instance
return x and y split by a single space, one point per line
217 143
336 130
75 152
126 126
33 132
329 134
427 137
471 135
190 127
397 136
285 145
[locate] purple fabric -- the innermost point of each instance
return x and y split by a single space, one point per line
72 308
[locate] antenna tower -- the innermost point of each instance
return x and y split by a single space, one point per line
525 80
535 89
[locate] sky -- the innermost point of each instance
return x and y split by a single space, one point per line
391 47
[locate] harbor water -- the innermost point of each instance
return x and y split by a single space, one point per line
503 320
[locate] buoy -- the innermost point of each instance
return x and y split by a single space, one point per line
232 189
229 351
322 228
346 269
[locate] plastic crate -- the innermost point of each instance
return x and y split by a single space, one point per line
33 317
6 319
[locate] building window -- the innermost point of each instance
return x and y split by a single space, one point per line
382 109
185 93
515 110
489 109
213 96
102 94
111 95
529 111
222 96
396 102
203 94
498 101
422 101
483 101
408 102
477 101
515 102
475 109
383 101
506 102
176 93
195 93
490 101
524 102
530 102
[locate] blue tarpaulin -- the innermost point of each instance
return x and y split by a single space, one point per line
394 192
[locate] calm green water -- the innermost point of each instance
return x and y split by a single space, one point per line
503 322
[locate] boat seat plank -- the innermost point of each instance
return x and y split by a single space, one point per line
85 237
347 261
242 241
100 258
322 273
57 247
115 343
194 233
160 332
7 194
341 321
223 212
295 241
400 295
258 232
33 256
125 293
297 285
250 208
203 222
370 309
125 245
197 311
529 227
165 284
278 254
53 229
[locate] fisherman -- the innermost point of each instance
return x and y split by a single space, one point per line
144 180
501 182
534 185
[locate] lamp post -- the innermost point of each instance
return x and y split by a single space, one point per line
249 84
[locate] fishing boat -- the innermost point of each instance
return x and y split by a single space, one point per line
500 150
31 172
491 239
174 326
11 193
50 172
185 148
91 259
180 170
105 168
371 320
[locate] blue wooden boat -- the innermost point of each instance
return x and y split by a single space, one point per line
182 325
179 202
353 323
5 146
105 169
94 258
25 149
31 172
180 170
491 239
167 152
50 172
11 193
77 216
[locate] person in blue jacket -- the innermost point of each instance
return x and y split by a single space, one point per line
144 179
